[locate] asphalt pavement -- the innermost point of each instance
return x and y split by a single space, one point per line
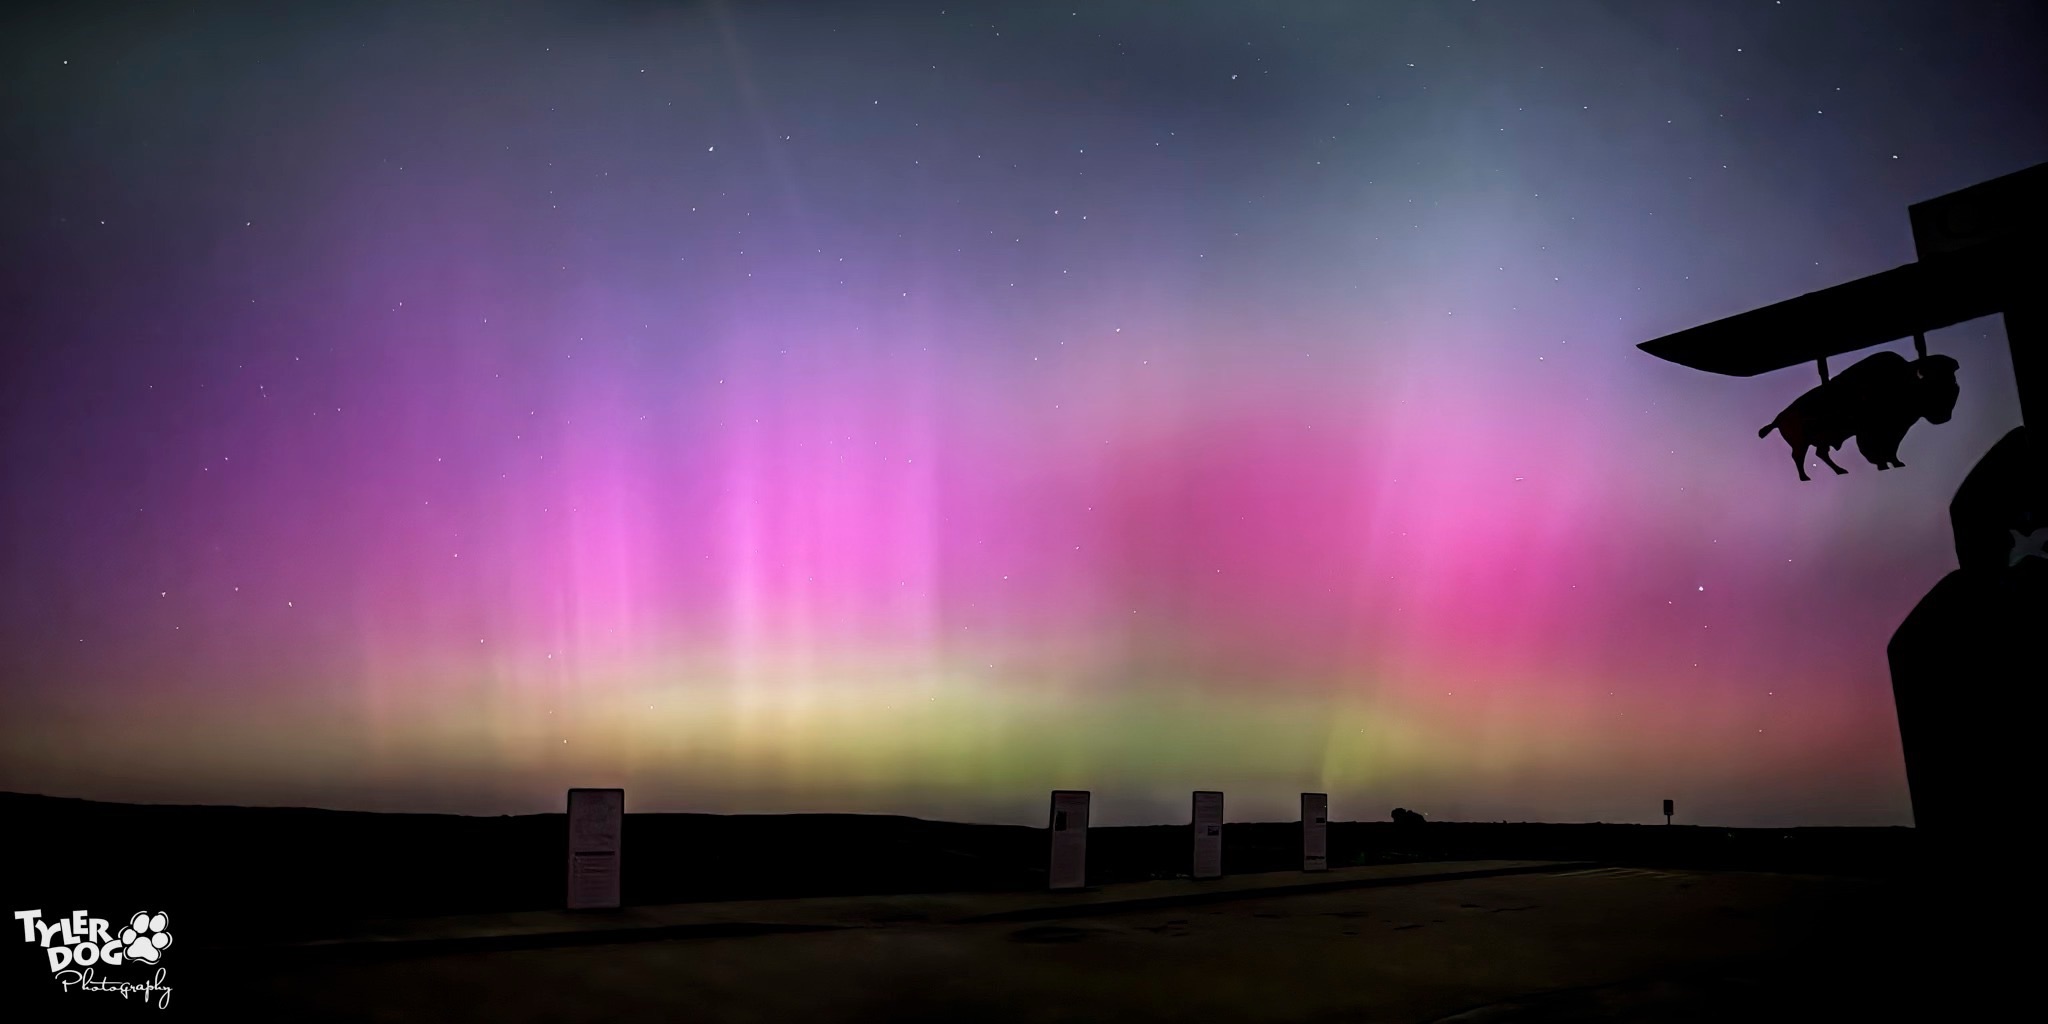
1540 943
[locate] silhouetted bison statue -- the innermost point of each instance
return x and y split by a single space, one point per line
1875 401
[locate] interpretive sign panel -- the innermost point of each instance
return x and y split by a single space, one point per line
1069 826
597 817
1315 831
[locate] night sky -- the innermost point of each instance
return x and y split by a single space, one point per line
917 407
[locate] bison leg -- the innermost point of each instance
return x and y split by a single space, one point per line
1822 451
1799 460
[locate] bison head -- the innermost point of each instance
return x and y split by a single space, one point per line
1936 389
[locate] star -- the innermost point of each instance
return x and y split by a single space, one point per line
2033 544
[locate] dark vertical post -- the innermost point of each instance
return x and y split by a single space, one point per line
1667 812
1208 830
2026 334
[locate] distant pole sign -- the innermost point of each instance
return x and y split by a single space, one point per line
1667 812
597 817
1208 834
1069 827
1315 831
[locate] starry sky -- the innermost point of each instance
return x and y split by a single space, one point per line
916 407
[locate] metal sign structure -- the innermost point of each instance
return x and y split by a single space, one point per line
597 819
1208 828
1981 251
1885 307
1315 831
1068 826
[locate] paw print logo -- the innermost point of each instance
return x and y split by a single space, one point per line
145 938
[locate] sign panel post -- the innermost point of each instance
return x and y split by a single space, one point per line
596 820
1315 831
1208 834
1069 828
1667 812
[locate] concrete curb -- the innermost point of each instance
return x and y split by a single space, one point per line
393 948
1059 911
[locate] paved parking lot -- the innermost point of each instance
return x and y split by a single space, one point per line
1585 944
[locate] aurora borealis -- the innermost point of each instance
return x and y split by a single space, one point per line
917 407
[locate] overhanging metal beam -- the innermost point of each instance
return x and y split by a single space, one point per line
1902 301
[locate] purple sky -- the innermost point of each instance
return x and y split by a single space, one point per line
917 407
